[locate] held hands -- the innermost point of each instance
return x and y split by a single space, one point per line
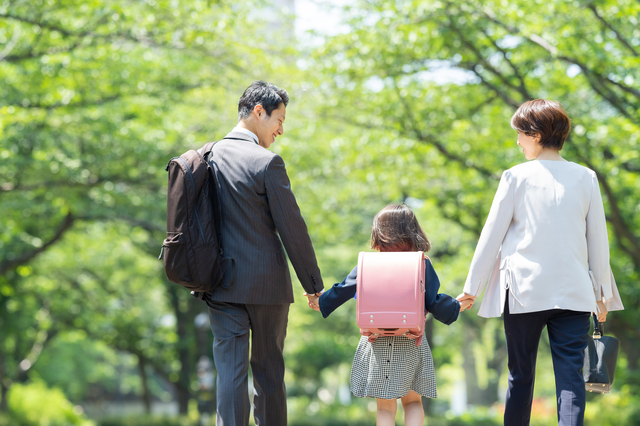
466 301
465 304
312 300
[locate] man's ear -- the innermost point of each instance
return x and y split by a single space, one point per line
258 110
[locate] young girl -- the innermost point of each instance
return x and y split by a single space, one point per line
394 367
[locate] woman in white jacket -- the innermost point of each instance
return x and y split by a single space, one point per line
545 254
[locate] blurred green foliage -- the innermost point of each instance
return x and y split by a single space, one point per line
410 102
140 420
35 404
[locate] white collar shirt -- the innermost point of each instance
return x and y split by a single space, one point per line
247 132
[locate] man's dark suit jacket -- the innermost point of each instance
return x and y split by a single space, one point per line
258 210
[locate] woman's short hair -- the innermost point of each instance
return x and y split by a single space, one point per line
546 118
395 228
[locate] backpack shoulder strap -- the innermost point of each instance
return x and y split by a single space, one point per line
215 198
206 149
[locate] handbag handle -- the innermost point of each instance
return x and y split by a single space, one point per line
598 327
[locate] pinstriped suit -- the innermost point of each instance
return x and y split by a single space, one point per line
259 215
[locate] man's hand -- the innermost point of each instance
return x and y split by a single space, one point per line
312 300
466 301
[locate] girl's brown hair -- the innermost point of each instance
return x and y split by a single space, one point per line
395 228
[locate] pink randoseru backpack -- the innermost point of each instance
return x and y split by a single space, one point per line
390 294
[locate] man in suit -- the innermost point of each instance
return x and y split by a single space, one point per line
259 215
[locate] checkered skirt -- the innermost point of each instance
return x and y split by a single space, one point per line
392 366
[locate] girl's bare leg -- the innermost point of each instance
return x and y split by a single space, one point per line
386 412
412 406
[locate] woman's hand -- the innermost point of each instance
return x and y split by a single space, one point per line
466 301
602 315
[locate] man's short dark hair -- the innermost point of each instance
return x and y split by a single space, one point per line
261 93
546 118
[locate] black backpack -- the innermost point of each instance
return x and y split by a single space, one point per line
191 253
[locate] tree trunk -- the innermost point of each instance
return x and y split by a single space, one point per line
182 324
3 368
477 395
146 395
496 365
469 366
204 343
630 344
3 397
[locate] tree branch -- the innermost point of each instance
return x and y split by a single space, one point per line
31 54
8 186
603 91
617 220
621 228
431 140
151 228
79 104
43 337
87 103
593 8
457 218
477 108
627 89
505 97
523 87
482 61
428 139
124 34
594 78
37 23
12 43
66 224
95 305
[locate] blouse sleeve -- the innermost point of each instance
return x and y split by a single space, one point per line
443 307
598 244
338 294
493 233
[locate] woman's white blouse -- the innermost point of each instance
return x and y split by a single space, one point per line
545 240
